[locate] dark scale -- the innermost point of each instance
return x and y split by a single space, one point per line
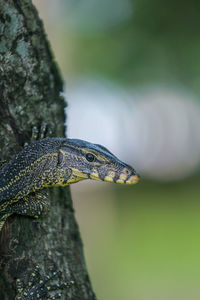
54 162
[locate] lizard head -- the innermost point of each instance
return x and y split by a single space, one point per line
84 160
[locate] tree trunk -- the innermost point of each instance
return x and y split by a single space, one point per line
30 87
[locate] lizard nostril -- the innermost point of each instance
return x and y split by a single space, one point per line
127 172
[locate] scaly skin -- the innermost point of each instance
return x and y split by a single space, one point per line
55 162
39 287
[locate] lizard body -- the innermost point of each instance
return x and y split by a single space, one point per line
55 162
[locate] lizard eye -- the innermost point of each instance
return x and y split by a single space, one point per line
90 157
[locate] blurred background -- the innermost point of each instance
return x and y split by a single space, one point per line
132 71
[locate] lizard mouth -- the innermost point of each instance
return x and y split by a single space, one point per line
131 180
124 178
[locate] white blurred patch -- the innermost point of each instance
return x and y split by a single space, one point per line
155 130
94 113
168 143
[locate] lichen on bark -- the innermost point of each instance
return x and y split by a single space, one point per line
30 93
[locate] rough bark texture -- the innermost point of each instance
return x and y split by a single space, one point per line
30 87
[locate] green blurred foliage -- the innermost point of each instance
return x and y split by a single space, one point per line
144 241
159 43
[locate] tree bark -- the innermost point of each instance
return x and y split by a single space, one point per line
30 87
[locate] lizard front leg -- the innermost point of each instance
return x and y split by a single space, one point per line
34 205
41 132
